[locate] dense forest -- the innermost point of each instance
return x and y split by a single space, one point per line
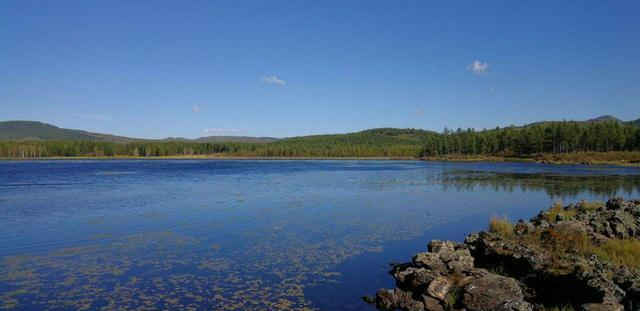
547 137
370 143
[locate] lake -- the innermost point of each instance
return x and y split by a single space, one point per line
237 235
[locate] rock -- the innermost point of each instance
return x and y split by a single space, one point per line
633 295
615 203
422 278
516 306
458 260
436 246
369 299
439 288
574 226
605 289
494 292
429 260
602 307
472 276
386 299
523 227
405 301
431 304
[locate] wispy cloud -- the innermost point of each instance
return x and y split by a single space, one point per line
220 130
274 80
195 108
418 112
478 67
96 117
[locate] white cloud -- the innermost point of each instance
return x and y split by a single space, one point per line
223 130
195 108
478 67
418 112
273 80
96 117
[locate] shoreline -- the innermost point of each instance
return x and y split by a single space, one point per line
544 159
581 256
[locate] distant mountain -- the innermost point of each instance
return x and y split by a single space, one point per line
215 139
33 130
612 118
605 118
243 139
634 122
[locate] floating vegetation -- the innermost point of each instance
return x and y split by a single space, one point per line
184 238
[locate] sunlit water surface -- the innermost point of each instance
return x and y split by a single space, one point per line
237 235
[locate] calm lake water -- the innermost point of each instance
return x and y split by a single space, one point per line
237 235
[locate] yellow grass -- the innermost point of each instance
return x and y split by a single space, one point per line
558 209
501 226
620 252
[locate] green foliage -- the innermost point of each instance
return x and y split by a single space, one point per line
548 137
454 297
21 139
371 143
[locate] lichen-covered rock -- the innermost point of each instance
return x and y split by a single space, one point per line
431 304
429 260
439 288
437 246
526 269
494 292
602 307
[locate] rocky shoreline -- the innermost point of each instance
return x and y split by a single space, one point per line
577 257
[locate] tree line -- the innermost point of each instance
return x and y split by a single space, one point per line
550 137
372 143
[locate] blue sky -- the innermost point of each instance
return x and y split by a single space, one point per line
282 68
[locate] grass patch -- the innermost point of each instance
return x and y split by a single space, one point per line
454 297
560 308
501 227
587 207
558 209
620 252
558 242
612 157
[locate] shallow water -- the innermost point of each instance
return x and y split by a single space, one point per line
236 235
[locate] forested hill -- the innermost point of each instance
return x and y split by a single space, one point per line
32 130
38 131
601 134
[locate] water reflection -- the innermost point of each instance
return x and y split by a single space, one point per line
555 185
233 235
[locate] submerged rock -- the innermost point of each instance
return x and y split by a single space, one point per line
554 259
